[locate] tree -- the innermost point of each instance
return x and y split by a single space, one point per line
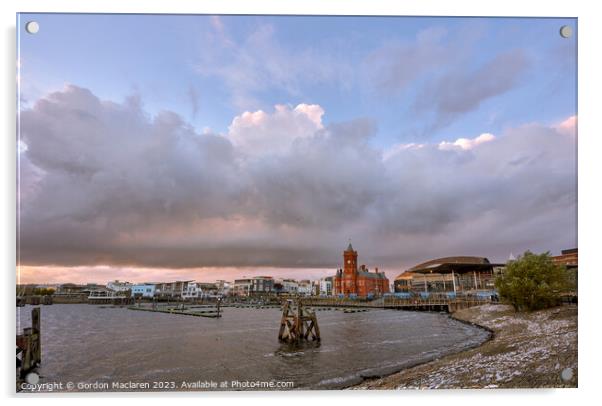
532 282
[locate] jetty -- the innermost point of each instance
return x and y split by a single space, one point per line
181 309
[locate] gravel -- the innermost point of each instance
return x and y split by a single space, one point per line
527 350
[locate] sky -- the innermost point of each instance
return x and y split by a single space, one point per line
157 147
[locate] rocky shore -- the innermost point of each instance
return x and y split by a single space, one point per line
527 350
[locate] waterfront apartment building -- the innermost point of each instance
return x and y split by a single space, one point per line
242 287
351 281
223 287
290 286
119 286
326 285
145 290
171 289
191 291
304 288
207 289
315 288
261 285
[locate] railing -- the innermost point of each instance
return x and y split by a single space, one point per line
105 295
393 302
436 301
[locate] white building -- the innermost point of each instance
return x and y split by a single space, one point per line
119 286
242 287
326 286
304 288
224 288
191 291
171 289
262 284
290 286
143 290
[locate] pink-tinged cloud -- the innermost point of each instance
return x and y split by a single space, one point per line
568 126
260 133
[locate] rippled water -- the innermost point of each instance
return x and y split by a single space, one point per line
86 343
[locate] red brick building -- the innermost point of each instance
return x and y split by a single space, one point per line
567 257
351 281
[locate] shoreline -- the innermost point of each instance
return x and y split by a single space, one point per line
524 350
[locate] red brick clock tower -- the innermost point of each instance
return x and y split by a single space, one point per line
349 282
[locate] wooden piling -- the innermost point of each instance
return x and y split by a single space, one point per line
299 326
29 345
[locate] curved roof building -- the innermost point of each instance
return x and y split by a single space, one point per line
469 271
458 264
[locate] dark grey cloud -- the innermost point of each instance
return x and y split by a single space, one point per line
104 183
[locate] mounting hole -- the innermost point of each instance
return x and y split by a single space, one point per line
32 378
566 31
32 27
567 374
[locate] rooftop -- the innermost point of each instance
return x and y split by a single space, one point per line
460 264
375 275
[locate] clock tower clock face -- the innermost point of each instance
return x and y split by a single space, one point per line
348 261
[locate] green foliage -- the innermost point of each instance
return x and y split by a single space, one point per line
43 291
532 282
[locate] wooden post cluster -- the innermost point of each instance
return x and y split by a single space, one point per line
29 345
300 326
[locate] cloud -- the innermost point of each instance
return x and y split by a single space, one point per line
568 126
460 91
467 143
259 63
392 67
440 75
104 183
260 132
193 97
389 152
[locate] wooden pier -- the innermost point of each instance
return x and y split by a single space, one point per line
29 345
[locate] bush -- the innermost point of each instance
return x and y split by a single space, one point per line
532 282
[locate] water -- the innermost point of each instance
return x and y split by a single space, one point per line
87 343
